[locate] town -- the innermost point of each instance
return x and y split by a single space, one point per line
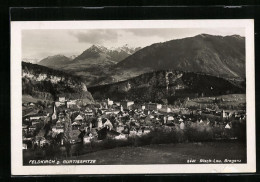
70 121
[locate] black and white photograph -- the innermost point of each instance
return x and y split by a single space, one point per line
113 97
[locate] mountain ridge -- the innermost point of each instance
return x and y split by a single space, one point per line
166 84
201 53
221 56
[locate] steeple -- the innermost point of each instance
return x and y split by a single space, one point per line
54 115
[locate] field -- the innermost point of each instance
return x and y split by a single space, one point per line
28 98
169 153
236 101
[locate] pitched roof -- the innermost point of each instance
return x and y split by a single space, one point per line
79 117
76 123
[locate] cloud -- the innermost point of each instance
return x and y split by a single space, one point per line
95 36
151 32
166 33
37 43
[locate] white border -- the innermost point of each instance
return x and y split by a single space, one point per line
16 99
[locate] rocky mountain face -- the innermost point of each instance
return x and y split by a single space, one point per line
215 55
160 85
45 83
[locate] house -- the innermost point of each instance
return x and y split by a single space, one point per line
76 125
109 102
147 112
120 137
35 122
41 141
88 113
62 99
139 106
223 114
153 106
117 103
120 128
25 128
87 138
170 118
182 126
108 112
71 103
227 126
31 104
79 118
32 128
60 102
58 129
24 146
35 117
126 104
107 124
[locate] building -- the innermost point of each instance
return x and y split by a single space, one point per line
88 113
25 128
76 125
79 118
71 103
36 117
126 104
54 115
109 102
62 99
32 128
35 122
58 129
139 106
108 112
227 126
24 146
182 126
153 106
146 111
61 102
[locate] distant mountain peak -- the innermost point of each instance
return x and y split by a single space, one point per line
236 36
56 56
55 60
125 48
97 48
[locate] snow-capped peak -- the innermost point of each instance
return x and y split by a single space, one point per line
98 48
126 48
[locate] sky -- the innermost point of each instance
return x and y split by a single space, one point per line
38 44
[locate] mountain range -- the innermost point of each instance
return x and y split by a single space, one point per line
215 55
97 52
91 63
221 56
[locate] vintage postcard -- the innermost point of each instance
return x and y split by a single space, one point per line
132 97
